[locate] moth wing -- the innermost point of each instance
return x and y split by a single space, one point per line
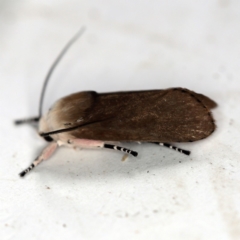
209 103
68 111
172 115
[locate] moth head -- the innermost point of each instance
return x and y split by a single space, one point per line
53 122
50 122
43 127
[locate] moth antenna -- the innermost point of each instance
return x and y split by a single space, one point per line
45 134
57 60
26 120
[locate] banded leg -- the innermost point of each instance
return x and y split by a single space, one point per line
46 154
186 152
122 149
93 143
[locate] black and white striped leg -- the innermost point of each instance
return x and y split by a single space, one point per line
186 152
122 149
46 154
33 165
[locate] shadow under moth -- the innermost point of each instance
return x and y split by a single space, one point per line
91 119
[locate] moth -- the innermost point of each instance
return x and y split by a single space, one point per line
91 119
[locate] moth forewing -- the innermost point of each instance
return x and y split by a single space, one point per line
172 115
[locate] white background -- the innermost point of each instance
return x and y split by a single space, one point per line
128 45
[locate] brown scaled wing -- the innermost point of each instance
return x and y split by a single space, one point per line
172 115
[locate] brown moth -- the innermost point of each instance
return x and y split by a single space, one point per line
90 119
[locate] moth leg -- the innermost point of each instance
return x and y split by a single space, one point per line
46 154
122 149
186 152
100 144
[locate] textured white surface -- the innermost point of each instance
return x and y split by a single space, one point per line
92 194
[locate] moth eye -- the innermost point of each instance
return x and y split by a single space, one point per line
48 139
